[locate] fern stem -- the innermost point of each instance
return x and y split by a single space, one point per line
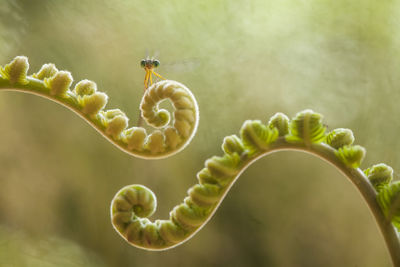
356 176
367 191
320 150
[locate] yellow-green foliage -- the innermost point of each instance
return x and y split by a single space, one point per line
242 60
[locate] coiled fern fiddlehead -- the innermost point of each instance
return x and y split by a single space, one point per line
86 101
134 203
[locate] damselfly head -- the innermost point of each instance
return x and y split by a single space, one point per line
149 63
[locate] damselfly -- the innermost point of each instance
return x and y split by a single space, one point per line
149 65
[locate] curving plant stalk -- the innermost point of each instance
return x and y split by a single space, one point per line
87 102
133 204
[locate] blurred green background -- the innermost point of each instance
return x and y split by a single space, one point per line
242 60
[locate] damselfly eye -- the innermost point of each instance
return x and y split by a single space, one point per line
143 63
156 63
